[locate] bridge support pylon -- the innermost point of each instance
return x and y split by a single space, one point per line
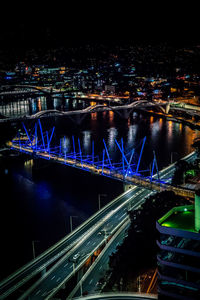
79 275
49 101
124 114
167 108
127 187
77 119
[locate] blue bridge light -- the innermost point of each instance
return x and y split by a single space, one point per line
39 143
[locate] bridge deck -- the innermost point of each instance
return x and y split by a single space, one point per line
102 170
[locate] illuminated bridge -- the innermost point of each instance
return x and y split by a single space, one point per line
19 89
126 170
101 107
77 116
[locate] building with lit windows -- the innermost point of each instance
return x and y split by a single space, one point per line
179 252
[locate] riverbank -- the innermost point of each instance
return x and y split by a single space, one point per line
172 118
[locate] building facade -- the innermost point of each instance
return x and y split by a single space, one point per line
179 253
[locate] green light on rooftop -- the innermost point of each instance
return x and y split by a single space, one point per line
190 172
166 224
179 218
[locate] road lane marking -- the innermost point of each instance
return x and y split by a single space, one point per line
121 216
91 281
38 292
53 277
65 265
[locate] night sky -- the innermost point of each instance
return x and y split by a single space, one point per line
30 25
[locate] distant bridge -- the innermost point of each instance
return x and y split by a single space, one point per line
123 111
19 89
14 90
57 93
101 107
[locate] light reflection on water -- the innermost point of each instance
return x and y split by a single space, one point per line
162 136
87 141
131 136
112 135
155 126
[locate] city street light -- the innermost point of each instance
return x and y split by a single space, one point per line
106 234
74 267
99 199
172 156
81 287
33 248
70 218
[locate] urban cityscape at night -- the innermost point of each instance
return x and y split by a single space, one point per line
99 155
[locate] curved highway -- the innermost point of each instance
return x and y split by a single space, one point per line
47 286
92 282
21 276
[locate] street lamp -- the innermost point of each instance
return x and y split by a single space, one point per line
81 287
99 199
33 248
172 156
70 219
106 234
74 267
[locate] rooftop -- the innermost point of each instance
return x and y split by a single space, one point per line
181 217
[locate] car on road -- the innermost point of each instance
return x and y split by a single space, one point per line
75 257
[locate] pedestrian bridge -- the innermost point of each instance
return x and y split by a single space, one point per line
125 170
133 179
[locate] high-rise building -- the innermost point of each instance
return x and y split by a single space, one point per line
179 252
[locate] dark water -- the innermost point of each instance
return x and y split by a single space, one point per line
38 197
